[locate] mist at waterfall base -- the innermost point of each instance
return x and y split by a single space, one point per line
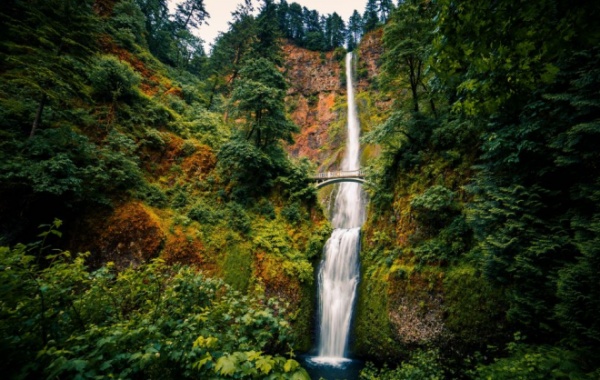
339 271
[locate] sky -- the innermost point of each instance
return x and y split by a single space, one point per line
220 13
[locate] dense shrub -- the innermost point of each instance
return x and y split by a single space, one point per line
155 321
113 79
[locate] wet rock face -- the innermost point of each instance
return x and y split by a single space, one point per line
369 51
312 72
317 83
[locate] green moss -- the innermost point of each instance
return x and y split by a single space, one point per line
237 267
475 310
373 334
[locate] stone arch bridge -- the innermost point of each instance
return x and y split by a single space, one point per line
329 178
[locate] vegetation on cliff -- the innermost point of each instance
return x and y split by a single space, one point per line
172 169
484 199
170 173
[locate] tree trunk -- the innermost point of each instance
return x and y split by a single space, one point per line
38 115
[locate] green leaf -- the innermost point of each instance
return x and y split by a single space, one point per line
226 365
290 365
265 364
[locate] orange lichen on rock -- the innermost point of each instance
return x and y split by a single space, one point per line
200 163
183 249
130 235
268 271
370 51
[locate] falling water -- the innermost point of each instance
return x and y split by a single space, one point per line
339 271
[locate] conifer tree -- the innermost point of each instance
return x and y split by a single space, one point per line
45 48
355 29
370 16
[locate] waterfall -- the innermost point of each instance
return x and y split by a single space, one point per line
339 271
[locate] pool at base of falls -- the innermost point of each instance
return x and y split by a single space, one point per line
331 368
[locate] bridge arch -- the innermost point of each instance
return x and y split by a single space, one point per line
329 178
338 180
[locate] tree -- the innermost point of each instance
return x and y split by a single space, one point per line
191 13
258 97
267 34
314 39
47 44
407 40
385 10
159 29
355 29
296 22
335 31
232 47
370 16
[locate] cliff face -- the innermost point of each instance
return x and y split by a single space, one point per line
315 87
317 98
369 51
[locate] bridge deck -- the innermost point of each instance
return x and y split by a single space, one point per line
339 175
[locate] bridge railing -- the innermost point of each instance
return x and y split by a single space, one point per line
340 174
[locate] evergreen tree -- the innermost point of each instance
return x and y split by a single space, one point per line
314 37
268 34
231 48
407 40
335 31
296 23
159 28
258 98
370 16
191 13
355 29
283 18
385 10
45 48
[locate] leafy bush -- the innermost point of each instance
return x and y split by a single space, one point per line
113 79
237 218
64 163
423 365
205 214
153 195
292 213
156 321
434 207
531 363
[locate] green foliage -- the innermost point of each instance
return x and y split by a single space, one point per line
127 24
258 97
250 168
422 365
292 213
530 363
434 206
154 320
64 163
152 194
504 118
447 245
238 219
475 316
113 79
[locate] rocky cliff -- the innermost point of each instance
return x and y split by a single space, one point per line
316 98
315 87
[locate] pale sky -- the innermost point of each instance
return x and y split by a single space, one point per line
220 13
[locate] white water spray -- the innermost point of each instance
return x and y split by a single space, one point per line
339 271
